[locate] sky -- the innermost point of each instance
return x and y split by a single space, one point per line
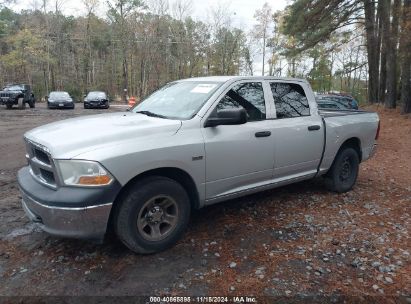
241 11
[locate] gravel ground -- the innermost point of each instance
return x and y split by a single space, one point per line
294 241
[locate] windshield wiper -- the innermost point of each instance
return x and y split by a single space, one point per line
148 113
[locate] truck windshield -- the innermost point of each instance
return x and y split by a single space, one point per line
177 100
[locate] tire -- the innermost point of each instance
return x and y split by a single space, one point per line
344 172
145 206
32 104
9 106
21 103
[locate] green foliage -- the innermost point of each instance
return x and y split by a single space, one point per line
8 21
311 22
26 49
320 75
141 48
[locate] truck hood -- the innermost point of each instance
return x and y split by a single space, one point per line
69 138
14 92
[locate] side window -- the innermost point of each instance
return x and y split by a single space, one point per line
290 100
250 96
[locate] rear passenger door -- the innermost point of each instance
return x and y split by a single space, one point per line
298 135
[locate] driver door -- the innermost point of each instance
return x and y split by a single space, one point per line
239 157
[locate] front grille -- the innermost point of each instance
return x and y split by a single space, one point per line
5 95
41 164
48 176
42 156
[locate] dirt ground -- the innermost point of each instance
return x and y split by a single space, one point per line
295 241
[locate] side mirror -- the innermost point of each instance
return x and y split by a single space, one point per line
84 96
236 116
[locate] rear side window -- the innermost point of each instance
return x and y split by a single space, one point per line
290 100
250 96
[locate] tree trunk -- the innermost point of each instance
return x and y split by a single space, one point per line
391 97
264 38
125 78
384 26
372 52
405 57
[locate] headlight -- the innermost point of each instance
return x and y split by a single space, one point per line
83 173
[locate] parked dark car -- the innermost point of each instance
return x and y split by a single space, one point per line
330 105
60 100
96 99
343 102
17 94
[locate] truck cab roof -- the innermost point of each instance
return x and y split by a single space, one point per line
234 78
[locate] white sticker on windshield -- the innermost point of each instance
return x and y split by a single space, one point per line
203 88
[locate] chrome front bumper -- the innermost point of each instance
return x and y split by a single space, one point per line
81 222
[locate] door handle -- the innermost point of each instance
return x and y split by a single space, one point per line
263 134
314 128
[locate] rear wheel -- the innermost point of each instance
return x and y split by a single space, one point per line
32 103
152 215
344 171
21 103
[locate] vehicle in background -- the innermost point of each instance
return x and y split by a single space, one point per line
193 143
60 100
17 94
96 99
330 105
344 102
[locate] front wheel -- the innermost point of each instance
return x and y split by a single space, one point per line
21 103
9 106
344 172
152 215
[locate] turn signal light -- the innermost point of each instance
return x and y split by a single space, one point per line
94 180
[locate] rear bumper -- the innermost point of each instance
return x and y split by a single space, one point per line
61 105
369 152
99 105
85 222
373 151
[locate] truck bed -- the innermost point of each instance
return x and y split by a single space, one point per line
344 124
333 113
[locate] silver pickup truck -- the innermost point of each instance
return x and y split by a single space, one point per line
193 143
